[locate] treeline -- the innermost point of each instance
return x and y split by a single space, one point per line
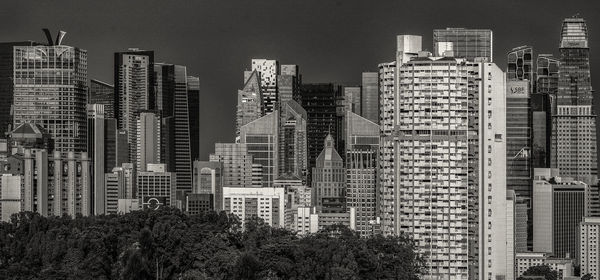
168 244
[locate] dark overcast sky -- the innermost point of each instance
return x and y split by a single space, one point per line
330 40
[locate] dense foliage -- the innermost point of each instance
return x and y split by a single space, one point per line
540 270
168 244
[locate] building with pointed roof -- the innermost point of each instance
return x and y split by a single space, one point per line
329 180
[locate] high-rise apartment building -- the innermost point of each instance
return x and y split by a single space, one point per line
237 164
134 91
370 96
407 47
465 43
329 180
102 93
50 89
252 203
589 255
573 147
451 165
362 148
261 139
268 69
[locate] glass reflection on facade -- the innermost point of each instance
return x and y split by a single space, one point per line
466 43
50 90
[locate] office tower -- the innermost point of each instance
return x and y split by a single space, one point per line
156 187
321 102
122 147
541 106
370 96
134 91
50 89
251 203
193 90
119 185
511 202
208 179
297 201
573 148
173 105
452 184
102 93
57 184
197 203
522 224
292 140
237 164
261 139
6 83
288 83
559 205
329 180
10 196
407 47
518 138
352 100
362 148
249 104
589 256
520 64
148 140
466 43
95 144
268 70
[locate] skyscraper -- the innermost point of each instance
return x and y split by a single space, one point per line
574 145
292 140
237 164
173 105
323 108
134 91
589 234
50 89
193 89
249 102
407 47
268 69
559 205
370 96
362 148
208 179
520 64
6 83
102 93
541 106
148 140
329 180
518 138
352 99
451 165
466 43
262 141
288 83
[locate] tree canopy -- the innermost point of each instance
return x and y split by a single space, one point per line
168 244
